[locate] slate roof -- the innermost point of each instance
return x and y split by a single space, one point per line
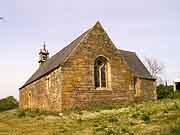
59 58
135 65
55 61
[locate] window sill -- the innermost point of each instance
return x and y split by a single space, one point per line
104 88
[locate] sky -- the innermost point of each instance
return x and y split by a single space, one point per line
151 28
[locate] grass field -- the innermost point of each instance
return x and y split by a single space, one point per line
149 118
175 131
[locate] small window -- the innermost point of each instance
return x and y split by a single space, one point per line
30 94
48 83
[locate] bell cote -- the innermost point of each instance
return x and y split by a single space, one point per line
43 55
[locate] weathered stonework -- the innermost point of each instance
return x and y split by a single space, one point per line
45 93
145 90
73 84
79 68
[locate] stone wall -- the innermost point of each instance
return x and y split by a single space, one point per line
73 83
79 88
145 90
149 89
44 94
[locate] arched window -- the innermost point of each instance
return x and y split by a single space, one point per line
101 72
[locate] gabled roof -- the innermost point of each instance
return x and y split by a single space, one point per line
135 65
59 59
55 61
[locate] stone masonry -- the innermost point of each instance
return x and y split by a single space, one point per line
72 83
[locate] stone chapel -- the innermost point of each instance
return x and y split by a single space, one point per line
91 70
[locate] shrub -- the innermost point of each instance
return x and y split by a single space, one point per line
109 132
20 113
27 112
146 118
177 105
176 94
8 103
165 91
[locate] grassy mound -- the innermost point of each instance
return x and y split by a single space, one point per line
149 118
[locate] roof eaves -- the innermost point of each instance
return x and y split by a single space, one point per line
73 43
39 77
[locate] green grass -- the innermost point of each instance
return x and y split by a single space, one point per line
148 118
175 131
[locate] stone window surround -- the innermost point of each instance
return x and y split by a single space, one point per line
108 76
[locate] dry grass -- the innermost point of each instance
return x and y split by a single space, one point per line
149 118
